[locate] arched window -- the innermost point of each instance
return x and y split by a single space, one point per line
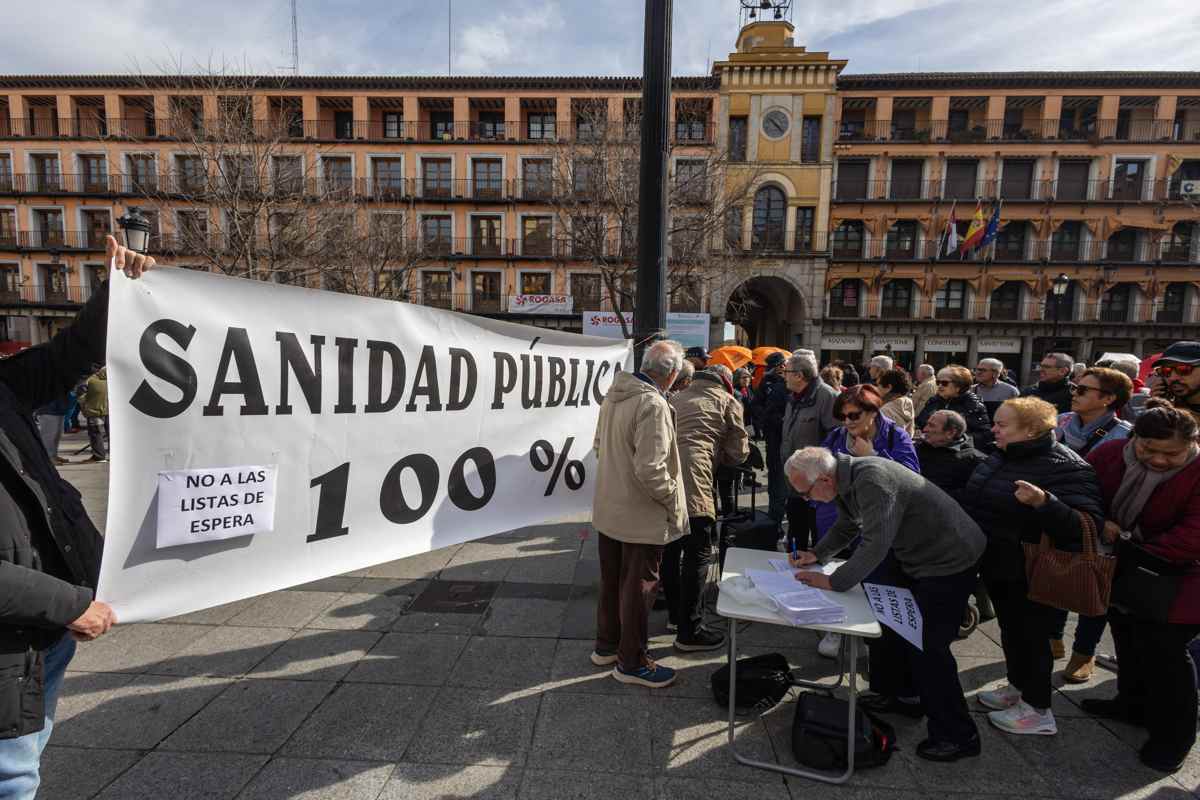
770 218
844 298
1006 301
1173 303
1116 302
897 299
1177 245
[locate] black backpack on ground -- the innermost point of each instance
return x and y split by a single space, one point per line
762 681
819 734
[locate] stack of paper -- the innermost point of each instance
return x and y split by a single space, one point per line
794 601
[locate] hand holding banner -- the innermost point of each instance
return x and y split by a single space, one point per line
379 430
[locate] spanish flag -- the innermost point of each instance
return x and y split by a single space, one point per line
975 230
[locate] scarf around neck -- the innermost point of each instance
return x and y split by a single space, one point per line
1137 486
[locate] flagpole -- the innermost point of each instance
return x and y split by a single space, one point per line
999 208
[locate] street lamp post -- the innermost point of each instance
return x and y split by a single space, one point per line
137 230
1058 289
650 311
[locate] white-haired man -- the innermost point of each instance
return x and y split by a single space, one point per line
988 386
916 536
879 365
926 380
639 508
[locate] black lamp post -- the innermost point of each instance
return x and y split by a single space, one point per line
136 229
1058 289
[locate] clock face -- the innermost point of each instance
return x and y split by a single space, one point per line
775 124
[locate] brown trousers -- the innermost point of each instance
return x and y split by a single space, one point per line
628 584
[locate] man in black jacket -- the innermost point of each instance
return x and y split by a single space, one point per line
947 454
771 405
1054 385
49 549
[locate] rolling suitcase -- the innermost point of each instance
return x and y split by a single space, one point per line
753 529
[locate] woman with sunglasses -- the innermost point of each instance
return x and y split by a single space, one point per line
1151 487
1031 485
862 431
1095 400
954 394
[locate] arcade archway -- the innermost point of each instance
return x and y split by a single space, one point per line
766 310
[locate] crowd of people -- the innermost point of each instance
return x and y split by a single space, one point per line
936 482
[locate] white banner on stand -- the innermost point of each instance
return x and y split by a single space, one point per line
898 609
339 432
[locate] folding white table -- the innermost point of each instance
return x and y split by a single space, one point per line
860 623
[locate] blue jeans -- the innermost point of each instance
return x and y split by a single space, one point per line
20 758
1088 632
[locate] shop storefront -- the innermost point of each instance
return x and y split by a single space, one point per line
846 347
941 351
899 347
1005 348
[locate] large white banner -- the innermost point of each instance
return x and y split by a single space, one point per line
266 436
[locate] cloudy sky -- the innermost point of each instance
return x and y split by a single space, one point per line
573 37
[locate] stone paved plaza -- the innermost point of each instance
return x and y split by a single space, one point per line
463 673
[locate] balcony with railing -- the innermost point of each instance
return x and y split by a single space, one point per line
56 294
1123 310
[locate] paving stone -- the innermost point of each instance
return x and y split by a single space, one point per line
362 612
445 624
503 661
983 674
579 620
423 565
337 584
587 573
284 609
217 615
670 787
549 784
491 727
525 617
311 779
691 739
415 658
317 655
1083 760
1004 767
250 717
224 651
448 781
69 773
135 648
137 715
594 733
362 721
455 597
480 561
186 776
546 567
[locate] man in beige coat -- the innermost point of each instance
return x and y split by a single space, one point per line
638 510
709 429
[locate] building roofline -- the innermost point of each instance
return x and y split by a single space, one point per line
1047 79
350 82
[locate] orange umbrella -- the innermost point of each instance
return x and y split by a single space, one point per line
732 356
759 354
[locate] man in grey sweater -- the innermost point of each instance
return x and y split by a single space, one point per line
912 535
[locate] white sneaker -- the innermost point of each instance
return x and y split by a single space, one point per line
1024 719
1000 699
830 645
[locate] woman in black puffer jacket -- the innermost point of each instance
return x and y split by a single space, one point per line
1032 484
954 394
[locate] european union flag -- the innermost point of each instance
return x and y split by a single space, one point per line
993 228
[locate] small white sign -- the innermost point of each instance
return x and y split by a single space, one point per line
841 341
945 344
898 609
882 342
204 505
540 304
999 344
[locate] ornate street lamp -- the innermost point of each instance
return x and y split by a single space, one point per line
137 230
1058 288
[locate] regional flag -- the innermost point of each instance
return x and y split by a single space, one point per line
951 235
974 231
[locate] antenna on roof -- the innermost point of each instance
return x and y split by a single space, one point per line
449 35
295 42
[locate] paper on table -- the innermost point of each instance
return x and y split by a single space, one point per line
797 603
781 565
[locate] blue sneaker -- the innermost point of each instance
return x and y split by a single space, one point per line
649 674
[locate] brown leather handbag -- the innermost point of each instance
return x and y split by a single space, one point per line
1079 582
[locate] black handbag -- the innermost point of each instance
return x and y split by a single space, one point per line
762 681
1145 585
